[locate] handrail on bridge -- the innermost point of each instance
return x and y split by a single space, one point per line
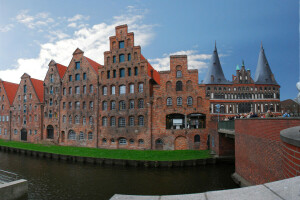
6 176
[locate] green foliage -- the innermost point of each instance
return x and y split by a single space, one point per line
151 155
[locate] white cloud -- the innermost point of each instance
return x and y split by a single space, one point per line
78 17
72 25
195 60
6 28
40 19
92 40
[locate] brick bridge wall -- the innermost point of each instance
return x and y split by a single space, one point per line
258 148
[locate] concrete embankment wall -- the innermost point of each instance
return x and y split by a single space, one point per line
258 148
14 190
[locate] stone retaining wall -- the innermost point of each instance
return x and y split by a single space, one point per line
120 162
14 190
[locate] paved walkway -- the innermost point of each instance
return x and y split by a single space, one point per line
287 189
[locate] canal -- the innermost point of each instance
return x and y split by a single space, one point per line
51 179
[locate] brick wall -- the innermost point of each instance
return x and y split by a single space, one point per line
258 153
291 160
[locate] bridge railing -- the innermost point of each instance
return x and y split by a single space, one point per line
226 125
6 177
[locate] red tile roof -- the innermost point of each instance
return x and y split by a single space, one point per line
156 76
61 70
39 88
11 90
94 64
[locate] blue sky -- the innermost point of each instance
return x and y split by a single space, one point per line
34 32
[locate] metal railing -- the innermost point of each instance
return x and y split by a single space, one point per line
227 125
6 177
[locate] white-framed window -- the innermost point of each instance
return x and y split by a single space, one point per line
131 121
122 89
190 101
77 119
92 89
72 135
104 90
113 90
179 101
77 90
84 89
131 104
91 120
83 120
178 74
104 121
90 136
104 105
122 141
121 122
81 136
122 105
141 87
141 120
77 105
141 103
70 119
112 121
112 105
131 88
169 101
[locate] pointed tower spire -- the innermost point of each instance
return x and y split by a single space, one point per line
215 73
263 73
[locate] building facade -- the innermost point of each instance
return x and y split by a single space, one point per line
126 103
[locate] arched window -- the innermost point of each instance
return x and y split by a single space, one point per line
178 74
64 119
91 120
141 120
197 138
141 87
90 136
104 140
112 121
179 101
169 101
121 58
159 144
178 86
113 90
72 135
190 101
122 89
122 141
104 105
104 90
77 119
131 121
131 88
104 121
70 119
81 136
122 105
112 105
141 141
121 122
25 89
83 120
131 141
141 103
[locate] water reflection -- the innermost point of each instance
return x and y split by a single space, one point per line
50 179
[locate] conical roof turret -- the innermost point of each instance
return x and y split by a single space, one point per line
215 73
263 73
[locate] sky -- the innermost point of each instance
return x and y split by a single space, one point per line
32 33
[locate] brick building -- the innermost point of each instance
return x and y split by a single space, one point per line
243 94
126 103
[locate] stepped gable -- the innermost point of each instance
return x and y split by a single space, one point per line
263 73
38 87
11 90
94 64
215 73
155 76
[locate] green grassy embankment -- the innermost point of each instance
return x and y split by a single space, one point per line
151 155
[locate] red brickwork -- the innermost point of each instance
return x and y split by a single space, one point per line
182 138
258 148
291 160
